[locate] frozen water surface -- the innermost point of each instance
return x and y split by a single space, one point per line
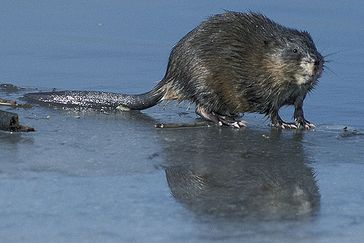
87 176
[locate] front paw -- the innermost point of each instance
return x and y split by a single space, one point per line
304 124
296 125
285 125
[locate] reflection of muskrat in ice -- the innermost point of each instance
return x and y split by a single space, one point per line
231 63
255 177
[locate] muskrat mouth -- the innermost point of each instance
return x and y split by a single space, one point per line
315 73
312 79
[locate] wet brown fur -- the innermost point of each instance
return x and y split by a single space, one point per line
236 62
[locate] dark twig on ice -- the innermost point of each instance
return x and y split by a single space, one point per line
13 103
182 125
9 121
7 102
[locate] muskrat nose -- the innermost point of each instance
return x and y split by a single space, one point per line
318 65
319 60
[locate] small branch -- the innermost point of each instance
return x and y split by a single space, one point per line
13 103
7 102
183 125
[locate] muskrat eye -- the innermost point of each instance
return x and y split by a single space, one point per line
295 50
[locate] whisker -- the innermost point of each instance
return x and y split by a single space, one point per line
340 51
329 69
332 53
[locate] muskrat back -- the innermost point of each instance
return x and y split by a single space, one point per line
234 63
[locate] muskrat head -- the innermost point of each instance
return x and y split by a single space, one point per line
295 59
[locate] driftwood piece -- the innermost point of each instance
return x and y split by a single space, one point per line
7 102
183 125
9 121
13 103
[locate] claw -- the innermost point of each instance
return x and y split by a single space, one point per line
235 125
309 126
306 125
293 126
242 123
284 125
302 123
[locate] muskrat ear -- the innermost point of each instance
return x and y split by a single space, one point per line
270 43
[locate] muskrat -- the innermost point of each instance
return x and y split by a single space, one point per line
229 64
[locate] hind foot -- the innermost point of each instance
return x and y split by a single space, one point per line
231 121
